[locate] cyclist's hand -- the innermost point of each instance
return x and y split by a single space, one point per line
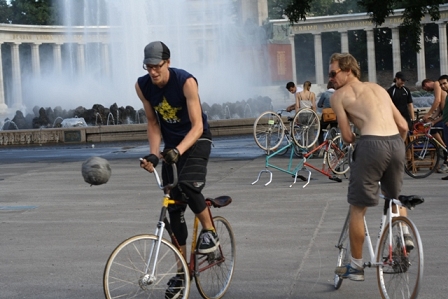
149 162
171 155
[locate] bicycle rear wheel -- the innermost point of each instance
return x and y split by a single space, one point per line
338 157
400 276
422 157
268 131
306 126
344 250
214 271
128 275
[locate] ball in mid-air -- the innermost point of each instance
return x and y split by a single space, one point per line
96 171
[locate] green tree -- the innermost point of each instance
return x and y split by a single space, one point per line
32 12
414 10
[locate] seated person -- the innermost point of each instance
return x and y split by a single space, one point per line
324 102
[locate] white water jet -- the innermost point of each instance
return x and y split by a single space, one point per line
228 58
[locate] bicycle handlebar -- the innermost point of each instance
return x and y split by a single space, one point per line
160 183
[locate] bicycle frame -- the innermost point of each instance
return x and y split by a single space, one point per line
325 170
163 223
386 218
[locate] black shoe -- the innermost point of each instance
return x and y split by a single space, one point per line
208 241
445 178
175 288
408 242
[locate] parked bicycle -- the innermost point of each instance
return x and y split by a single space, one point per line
423 152
143 265
399 266
336 160
270 131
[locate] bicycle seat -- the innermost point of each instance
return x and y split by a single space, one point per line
220 201
410 201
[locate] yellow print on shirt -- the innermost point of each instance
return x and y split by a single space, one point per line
167 112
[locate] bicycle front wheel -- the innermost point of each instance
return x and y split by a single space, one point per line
306 126
338 157
344 250
401 271
129 270
268 131
422 157
214 271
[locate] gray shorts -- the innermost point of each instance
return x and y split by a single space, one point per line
376 159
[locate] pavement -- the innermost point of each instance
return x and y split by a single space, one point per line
57 231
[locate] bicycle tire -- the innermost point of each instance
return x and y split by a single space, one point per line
344 250
306 126
422 158
268 131
125 274
338 158
214 271
402 277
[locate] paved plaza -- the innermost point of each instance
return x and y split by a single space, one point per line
57 231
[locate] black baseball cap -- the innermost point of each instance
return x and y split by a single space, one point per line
400 75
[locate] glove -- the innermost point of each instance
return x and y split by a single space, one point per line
171 155
153 159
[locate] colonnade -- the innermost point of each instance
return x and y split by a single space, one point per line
345 23
17 36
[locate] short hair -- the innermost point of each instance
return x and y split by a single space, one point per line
347 63
425 81
307 85
330 84
443 77
290 85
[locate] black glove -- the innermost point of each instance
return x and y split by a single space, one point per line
171 155
153 159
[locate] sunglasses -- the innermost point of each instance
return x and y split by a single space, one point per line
333 74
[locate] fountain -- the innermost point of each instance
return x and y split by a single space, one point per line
108 117
9 123
227 55
96 119
57 118
250 110
226 112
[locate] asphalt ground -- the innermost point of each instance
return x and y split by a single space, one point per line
57 231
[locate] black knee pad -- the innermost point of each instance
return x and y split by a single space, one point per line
178 224
191 192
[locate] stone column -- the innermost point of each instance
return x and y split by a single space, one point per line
81 59
396 51
16 77
318 58
35 59
3 106
371 62
57 58
443 49
293 58
421 65
106 59
344 42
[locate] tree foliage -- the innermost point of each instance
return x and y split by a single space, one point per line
31 12
414 11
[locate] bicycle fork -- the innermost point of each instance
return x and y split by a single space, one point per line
151 265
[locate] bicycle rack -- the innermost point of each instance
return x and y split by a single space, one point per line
294 172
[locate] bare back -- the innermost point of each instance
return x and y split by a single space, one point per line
369 107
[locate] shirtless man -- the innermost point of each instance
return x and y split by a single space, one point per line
439 98
379 154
